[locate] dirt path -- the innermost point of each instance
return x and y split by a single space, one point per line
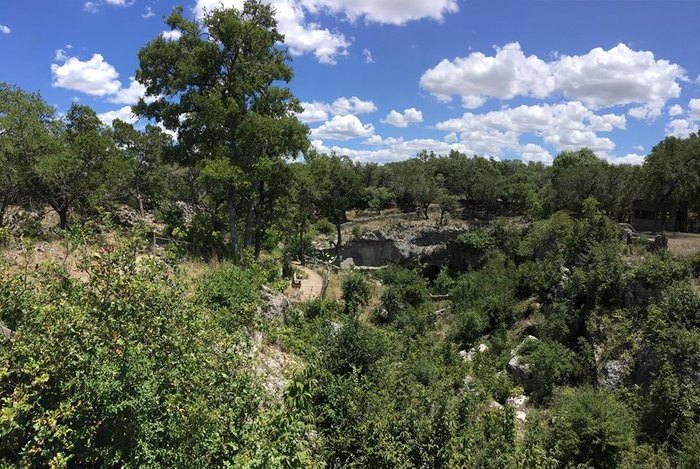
310 286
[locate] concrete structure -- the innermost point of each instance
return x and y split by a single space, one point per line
651 216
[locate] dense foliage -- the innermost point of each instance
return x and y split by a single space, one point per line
543 340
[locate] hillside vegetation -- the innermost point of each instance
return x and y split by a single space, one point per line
141 277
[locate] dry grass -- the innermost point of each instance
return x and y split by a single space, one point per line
683 244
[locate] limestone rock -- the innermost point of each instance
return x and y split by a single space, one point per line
520 371
275 304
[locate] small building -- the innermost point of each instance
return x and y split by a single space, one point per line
648 215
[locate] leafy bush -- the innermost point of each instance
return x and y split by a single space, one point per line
325 227
356 292
125 369
591 428
550 364
355 347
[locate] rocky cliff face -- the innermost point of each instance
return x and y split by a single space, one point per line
402 243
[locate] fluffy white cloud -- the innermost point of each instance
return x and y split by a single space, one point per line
368 56
5 29
95 77
393 149
172 35
318 111
301 37
531 153
396 12
304 37
124 114
409 116
474 78
148 13
451 137
129 95
542 120
694 107
599 79
119 3
675 110
343 127
630 158
564 126
314 112
343 106
681 126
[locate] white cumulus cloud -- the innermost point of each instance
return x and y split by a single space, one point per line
675 110
123 114
318 111
5 29
353 105
408 117
301 36
314 112
599 79
397 12
95 76
345 127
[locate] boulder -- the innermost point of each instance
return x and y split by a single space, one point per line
275 304
612 375
520 371
519 403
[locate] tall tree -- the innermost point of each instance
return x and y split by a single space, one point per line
27 131
217 87
337 188
82 170
144 154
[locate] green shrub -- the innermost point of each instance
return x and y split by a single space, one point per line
356 292
591 428
550 364
355 347
325 227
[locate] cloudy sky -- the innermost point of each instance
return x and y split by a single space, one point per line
381 80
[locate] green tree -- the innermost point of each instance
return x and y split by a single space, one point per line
82 170
217 86
27 132
144 153
336 187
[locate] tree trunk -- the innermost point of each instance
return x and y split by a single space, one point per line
63 217
259 220
233 226
338 243
302 254
139 200
249 220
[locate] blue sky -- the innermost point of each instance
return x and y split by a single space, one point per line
381 80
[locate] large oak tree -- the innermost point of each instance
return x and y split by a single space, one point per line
220 86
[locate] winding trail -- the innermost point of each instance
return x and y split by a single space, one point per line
310 286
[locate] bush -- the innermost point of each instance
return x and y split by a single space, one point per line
325 227
591 428
123 369
550 364
356 292
355 347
